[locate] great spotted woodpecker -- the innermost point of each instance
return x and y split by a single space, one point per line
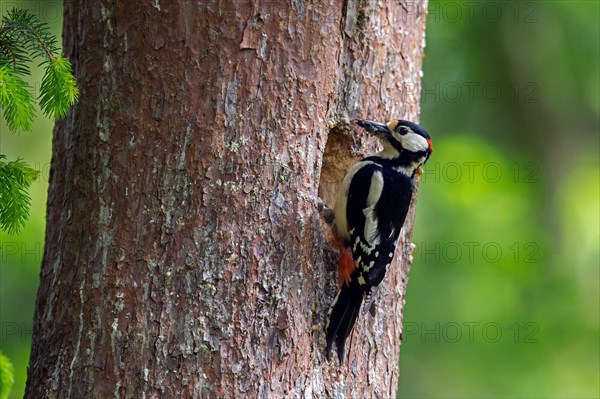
369 212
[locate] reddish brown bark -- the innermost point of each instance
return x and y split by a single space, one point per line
184 254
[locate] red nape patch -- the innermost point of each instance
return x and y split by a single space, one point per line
346 263
430 145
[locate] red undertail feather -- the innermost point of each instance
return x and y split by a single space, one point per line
346 263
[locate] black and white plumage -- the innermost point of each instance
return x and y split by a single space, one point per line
369 213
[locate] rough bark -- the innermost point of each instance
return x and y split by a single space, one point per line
184 254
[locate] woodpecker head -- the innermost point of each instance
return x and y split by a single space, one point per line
404 141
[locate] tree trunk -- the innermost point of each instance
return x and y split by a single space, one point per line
184 253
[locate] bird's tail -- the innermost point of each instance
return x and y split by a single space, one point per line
342 315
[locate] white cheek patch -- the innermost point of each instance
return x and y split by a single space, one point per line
414 142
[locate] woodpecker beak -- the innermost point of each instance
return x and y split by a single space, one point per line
372 127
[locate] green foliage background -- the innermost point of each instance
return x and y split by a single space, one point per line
503 296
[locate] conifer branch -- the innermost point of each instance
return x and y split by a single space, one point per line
23 38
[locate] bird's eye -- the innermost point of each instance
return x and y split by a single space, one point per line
403 130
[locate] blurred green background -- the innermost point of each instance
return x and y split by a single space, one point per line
503 299
503 295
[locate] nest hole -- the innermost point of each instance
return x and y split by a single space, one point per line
338 157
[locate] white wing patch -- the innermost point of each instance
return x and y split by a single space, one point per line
341 202
371 233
